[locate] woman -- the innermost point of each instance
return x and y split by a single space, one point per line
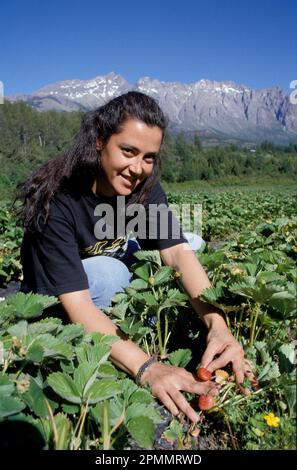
70 252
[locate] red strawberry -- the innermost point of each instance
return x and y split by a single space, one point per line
206 402
203 374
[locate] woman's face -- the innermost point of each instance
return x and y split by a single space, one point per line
128 158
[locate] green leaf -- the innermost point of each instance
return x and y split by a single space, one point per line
70 409
180 358
140 410
250 268
119 310
71 332
35 353
54 347
284 302
269 276
163 275
211 295
174 298
287 357
10 406
143 431
119 297
175 432
101 338
35 399
29 305
20 329
289 387
64 386
95 354
130 328
269 371
138 284
175 294
102 390
107 370
147 298
6 386
141 396
84 376
128 388
147 255
64 430
143 271
48 325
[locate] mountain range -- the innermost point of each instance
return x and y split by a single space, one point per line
217 111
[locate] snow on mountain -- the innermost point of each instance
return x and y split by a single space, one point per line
224 110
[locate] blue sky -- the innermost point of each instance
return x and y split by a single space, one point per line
247 41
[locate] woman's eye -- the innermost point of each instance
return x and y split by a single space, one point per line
128 150
150 158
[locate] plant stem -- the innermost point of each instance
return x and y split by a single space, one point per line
106 426
254 320
159 333
78 422
119 422
166 336
83 418
155 293
233 439
237 401
240 323
52 419
7 361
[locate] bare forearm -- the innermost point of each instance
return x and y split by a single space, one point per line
124 353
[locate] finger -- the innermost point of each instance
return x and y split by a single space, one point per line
220 362
238 369
202 388
208 356
183 405
170 405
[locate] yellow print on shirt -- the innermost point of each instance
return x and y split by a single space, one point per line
105 247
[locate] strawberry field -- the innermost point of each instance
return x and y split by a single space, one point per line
59 389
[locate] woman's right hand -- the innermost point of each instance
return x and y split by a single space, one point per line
167 382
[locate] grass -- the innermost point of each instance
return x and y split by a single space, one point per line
249 183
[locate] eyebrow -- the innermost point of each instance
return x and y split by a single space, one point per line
124 144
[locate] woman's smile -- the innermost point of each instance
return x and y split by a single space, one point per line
127 158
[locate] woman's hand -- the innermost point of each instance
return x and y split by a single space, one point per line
167 382
221 343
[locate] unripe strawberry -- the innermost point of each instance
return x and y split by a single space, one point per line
151 280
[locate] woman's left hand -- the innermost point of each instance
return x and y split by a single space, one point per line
221 343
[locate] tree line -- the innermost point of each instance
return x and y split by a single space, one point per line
29 137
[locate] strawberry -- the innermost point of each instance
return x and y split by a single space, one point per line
206 402
203 374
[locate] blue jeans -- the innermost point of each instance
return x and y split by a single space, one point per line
107 275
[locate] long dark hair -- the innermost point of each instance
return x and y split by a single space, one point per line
76 170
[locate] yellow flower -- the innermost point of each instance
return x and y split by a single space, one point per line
272 420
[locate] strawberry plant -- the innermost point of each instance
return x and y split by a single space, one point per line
59 380
61 383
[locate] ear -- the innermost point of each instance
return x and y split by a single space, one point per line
98 144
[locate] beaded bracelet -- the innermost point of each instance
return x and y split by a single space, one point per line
142 368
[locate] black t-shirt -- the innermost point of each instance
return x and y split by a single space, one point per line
74 231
